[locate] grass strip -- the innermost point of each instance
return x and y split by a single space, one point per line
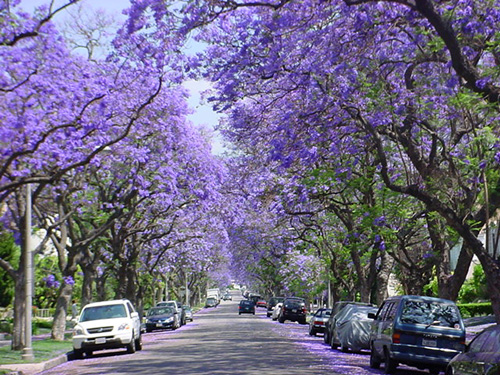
43 350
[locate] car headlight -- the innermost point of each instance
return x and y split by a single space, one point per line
78 330
124 326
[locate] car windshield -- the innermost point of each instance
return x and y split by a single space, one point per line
430 313
103 312
160 311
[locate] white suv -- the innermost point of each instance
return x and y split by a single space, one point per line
107 325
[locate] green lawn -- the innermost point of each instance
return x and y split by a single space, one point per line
43 350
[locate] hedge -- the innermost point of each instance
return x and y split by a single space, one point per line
469 310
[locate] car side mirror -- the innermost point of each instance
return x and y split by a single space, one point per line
372 315
135 314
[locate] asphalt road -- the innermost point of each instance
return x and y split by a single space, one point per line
220 341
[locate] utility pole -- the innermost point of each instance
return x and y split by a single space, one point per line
27 352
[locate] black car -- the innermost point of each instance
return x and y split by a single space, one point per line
482 355
294 309
162 317
271 304
246 306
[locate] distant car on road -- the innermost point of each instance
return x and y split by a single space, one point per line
211 302
294 309
482 355
318 320
261 303
276 312
188 312
273 301
246 306
177 306
163 317
227 297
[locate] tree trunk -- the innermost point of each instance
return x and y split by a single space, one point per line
385 270
62 305
449 284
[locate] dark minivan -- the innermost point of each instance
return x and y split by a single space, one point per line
423 332
294 309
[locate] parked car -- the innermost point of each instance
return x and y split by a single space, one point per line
188 312
246 306
211 302
107 325
276 312
318 320
177 306
254 297
422 332
261 303
272 303
337 307
294 309
162 317
351 328
481 356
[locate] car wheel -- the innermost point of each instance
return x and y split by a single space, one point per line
149 330
390 364
303 322
312 332
374 361
281 320
138 343
78 353
434 371
88 353
131 346
325 337
333 345
344 348
449 371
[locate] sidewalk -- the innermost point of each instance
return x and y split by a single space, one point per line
32 368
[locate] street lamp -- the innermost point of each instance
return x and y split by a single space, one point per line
27 352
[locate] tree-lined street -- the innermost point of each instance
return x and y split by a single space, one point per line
362 153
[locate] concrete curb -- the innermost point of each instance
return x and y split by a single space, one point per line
35 368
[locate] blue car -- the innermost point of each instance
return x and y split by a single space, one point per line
162 317
419 331
246 307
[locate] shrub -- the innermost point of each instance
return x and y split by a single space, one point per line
469 310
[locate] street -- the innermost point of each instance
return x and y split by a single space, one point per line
220 341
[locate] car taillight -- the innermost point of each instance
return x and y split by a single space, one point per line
396 337
319 323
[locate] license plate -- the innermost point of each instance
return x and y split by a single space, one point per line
426 342
100 340
294 310
158 324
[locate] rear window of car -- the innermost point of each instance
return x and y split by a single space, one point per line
245 302
294 303
103 312
430 313
160 311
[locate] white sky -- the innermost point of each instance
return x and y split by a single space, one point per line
203 116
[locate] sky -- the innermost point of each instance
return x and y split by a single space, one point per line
203 116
